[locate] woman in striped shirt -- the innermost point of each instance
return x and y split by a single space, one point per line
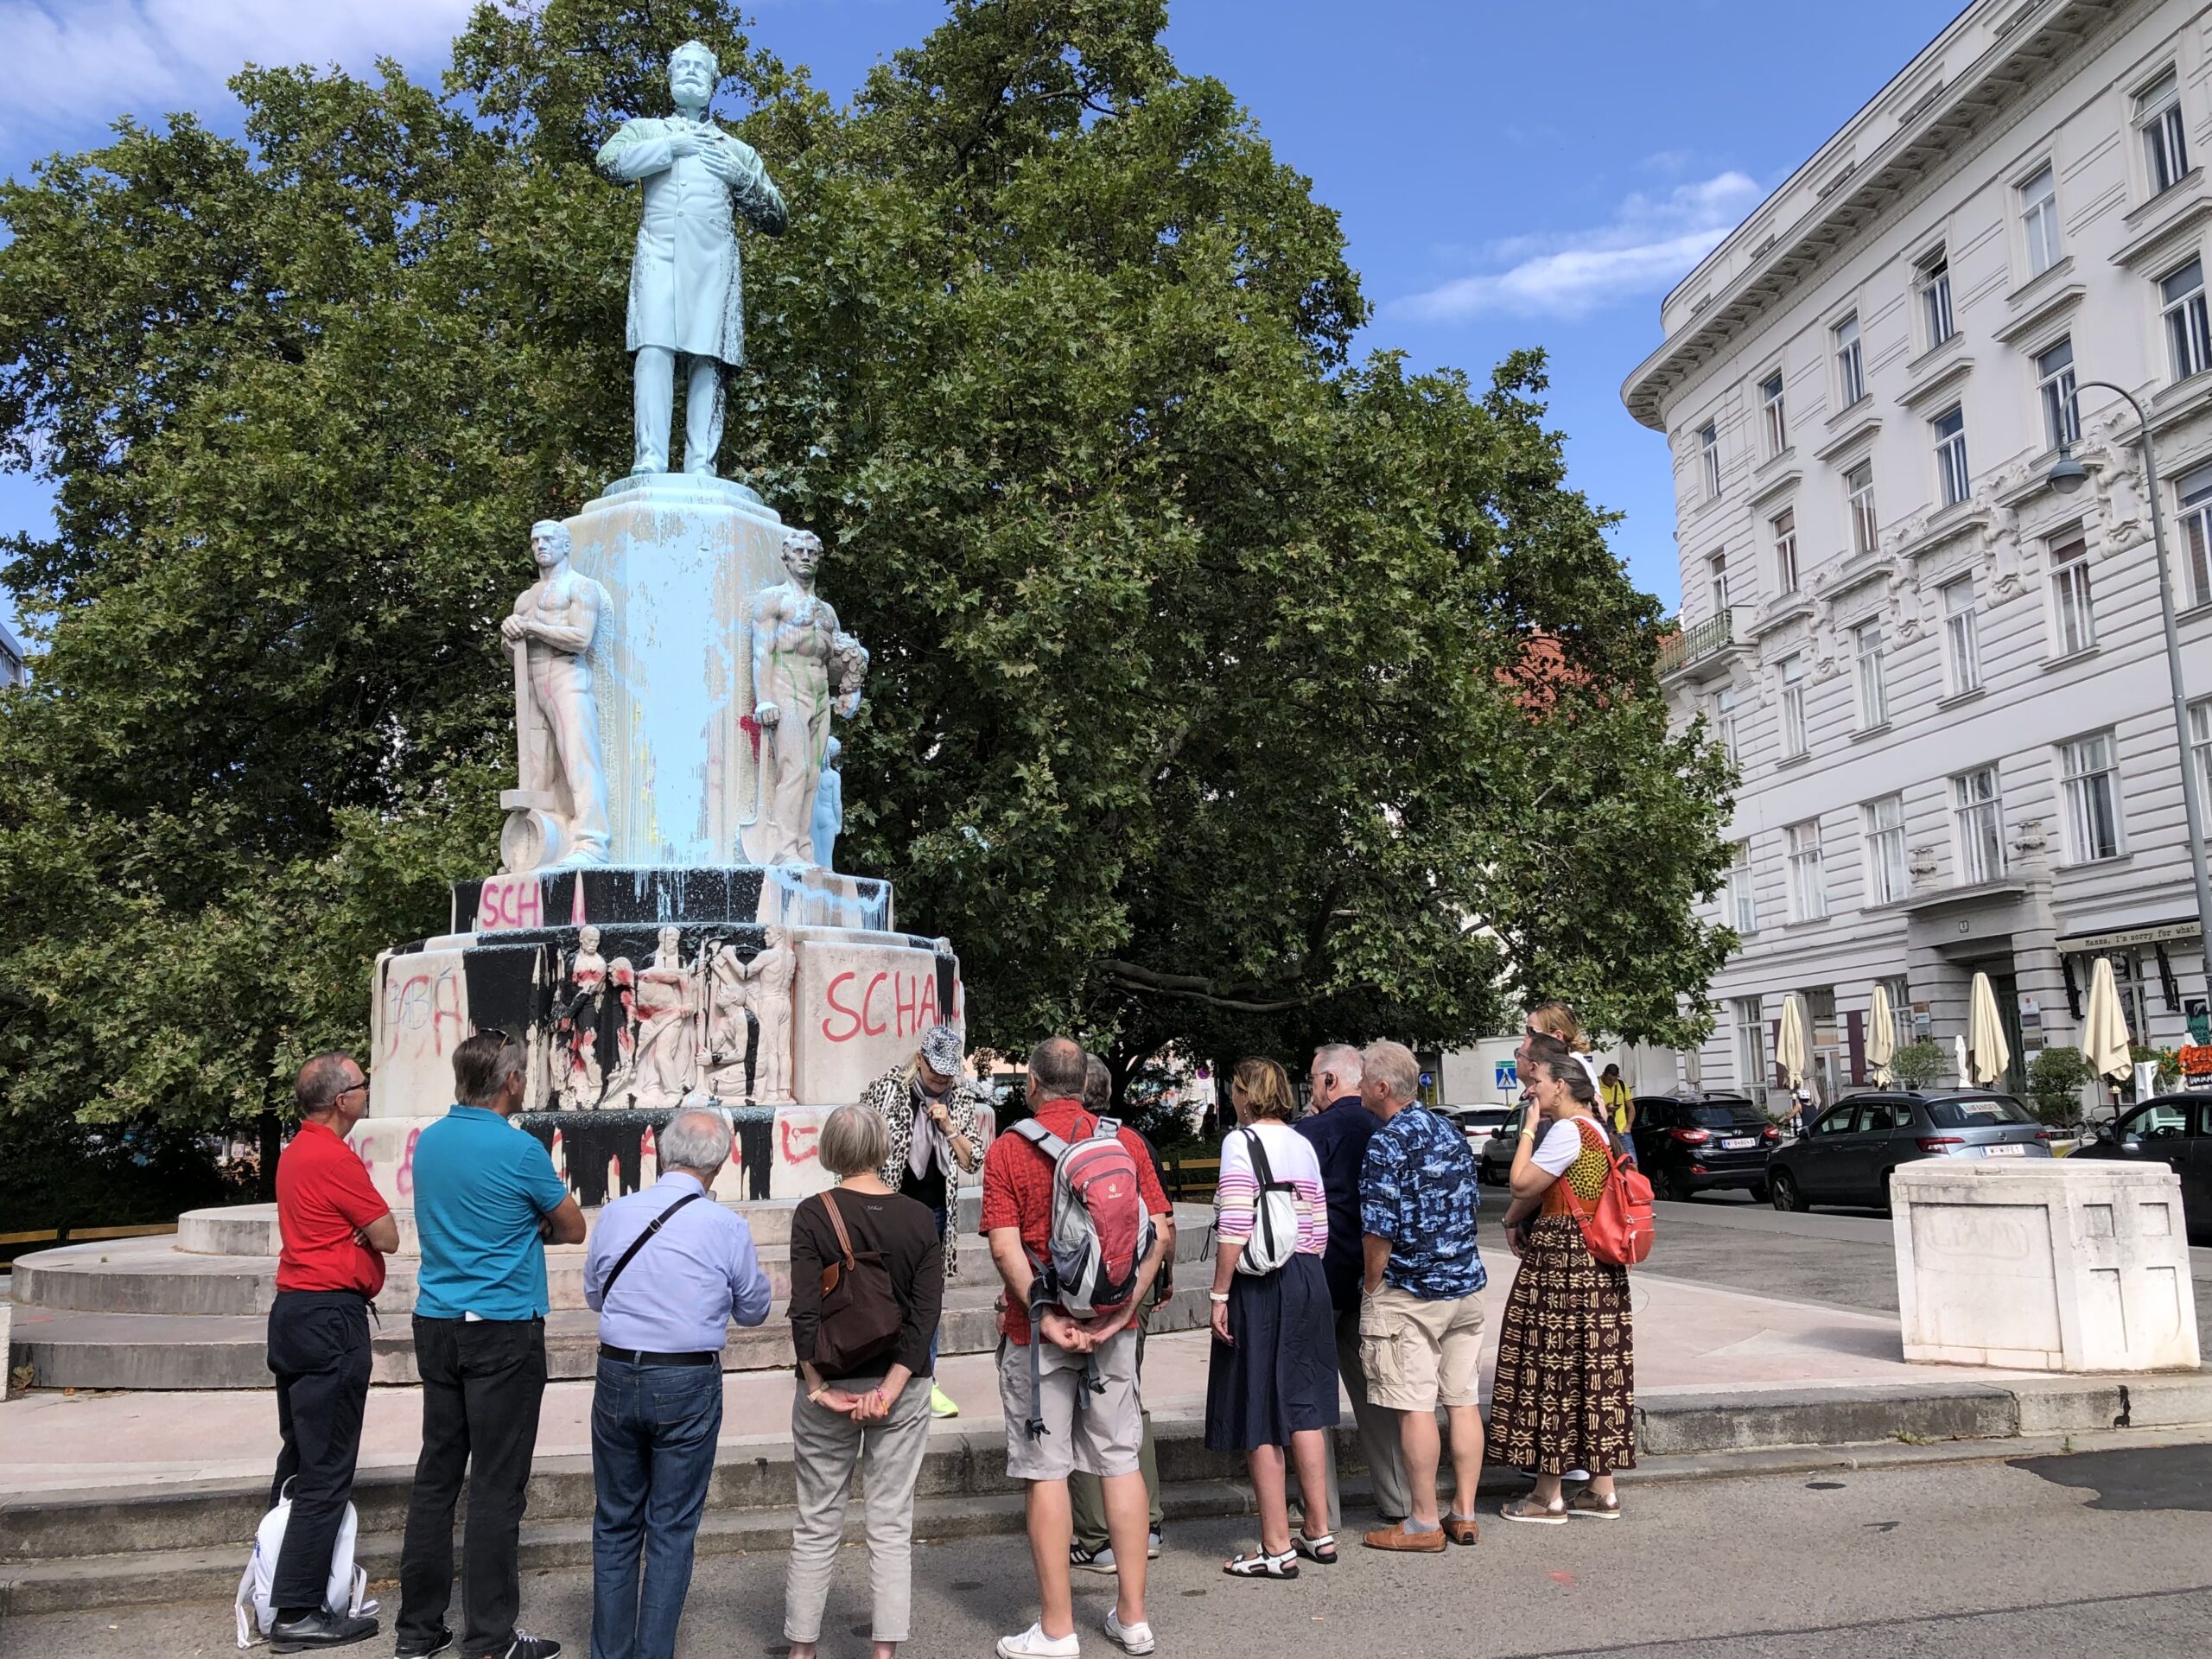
1272 1387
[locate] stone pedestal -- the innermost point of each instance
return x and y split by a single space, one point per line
2049 1265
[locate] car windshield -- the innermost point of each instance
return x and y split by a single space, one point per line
1724 1115
1993 1112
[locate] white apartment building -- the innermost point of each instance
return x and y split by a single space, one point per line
1945 682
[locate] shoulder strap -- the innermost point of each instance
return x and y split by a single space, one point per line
837 1225
1263 1174
1041 1138
638 1244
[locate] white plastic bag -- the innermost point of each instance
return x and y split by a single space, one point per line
346 1592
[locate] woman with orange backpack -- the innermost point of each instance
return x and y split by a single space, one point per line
1565 1394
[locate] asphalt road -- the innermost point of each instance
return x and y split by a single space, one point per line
2100 1551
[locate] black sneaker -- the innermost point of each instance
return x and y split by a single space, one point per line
438 1644
526 1646
312 1632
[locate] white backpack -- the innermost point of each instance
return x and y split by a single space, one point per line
1275 1214
346 1592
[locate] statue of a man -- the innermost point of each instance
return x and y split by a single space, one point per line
726 1041
686 289
557 714
666 1020
803 666
768 976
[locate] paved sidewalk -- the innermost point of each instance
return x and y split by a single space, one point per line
1691 1339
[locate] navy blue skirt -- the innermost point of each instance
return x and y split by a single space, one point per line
1279 1375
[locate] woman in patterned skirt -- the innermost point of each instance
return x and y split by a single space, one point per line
1566 1389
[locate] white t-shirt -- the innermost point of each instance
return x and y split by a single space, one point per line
1558 1147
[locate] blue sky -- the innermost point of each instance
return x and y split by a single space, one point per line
1508 174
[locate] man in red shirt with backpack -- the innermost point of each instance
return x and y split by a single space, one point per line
1070 1214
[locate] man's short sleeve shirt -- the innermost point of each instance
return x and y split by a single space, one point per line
323 1195
481 1186
1418 1189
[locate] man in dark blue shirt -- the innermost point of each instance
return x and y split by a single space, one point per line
1340 1128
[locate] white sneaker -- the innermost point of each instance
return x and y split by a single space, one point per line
1132 1639
1034 1644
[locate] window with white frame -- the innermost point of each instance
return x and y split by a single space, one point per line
1726 714
2127 986
1962 637
2039 219
1752 1070
2061 409
1884 838
2073 608
1708 450
2200 750
1776 417
1900 1009
1850 362
1859 495
1978 826
1950 434
1808 881
2189 329
2165 146
2090 771
1743 900
1871 651
1784 524
1793 706
1716 580
1931 278
2195 491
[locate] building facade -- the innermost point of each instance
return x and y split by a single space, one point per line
12 668
1945 681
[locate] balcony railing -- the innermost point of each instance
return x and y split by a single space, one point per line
1698 641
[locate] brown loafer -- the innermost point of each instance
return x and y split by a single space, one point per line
1427 1543
1460 1529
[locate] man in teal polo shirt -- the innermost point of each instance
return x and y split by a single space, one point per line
486 1200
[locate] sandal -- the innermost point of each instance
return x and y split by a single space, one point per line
1260 1565
1461 1528
1587 1501
1553 1514
1321 1551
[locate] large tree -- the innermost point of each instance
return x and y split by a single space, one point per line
1227 691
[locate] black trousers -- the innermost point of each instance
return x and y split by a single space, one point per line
319 1351
482 1380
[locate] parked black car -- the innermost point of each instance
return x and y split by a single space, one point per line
2172 1129
1846 1155
1494 1158
1694 1143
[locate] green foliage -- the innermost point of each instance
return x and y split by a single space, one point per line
2055 1079
1915 1065
1226 692
2168 1061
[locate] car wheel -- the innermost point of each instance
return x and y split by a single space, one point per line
1783 1191
1759 1194
1662 1185
1883 1205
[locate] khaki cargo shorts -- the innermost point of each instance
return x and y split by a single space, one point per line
1419 1355
1098 1433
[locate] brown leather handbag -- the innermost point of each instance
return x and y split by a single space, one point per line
861 1317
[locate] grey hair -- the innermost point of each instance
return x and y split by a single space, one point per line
482 1063
1342 1061
697 1137
320 1081
554 531
855 1140
696 48
1393 1065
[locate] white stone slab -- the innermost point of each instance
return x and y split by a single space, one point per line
2047 1264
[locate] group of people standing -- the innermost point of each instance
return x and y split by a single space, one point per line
1346 1253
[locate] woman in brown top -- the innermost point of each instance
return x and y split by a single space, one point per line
880 1419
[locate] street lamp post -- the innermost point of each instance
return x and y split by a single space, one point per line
2068 476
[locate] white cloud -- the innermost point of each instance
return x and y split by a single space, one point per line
68 65
1650 243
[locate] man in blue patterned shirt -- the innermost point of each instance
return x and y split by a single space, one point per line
1420 1315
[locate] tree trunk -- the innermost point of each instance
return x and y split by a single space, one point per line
271 1130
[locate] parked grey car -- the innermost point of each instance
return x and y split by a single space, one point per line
1846 1155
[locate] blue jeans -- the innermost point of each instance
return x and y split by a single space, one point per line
652 1451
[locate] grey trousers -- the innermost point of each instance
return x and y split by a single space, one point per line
826 1445
1378 1431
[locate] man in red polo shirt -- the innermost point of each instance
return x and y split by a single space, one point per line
336 1234
1098 1432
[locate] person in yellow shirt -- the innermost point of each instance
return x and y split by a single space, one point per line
1620 1107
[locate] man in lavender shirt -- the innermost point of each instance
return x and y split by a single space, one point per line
668 1270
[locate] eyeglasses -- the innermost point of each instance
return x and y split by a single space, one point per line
351 1087
505 1041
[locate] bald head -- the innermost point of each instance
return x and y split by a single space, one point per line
1056 1067
322 1080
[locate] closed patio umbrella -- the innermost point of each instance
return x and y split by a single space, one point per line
1882 1040
2104 1025
1986 1049
1793 1045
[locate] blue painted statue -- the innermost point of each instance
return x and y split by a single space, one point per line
686 289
